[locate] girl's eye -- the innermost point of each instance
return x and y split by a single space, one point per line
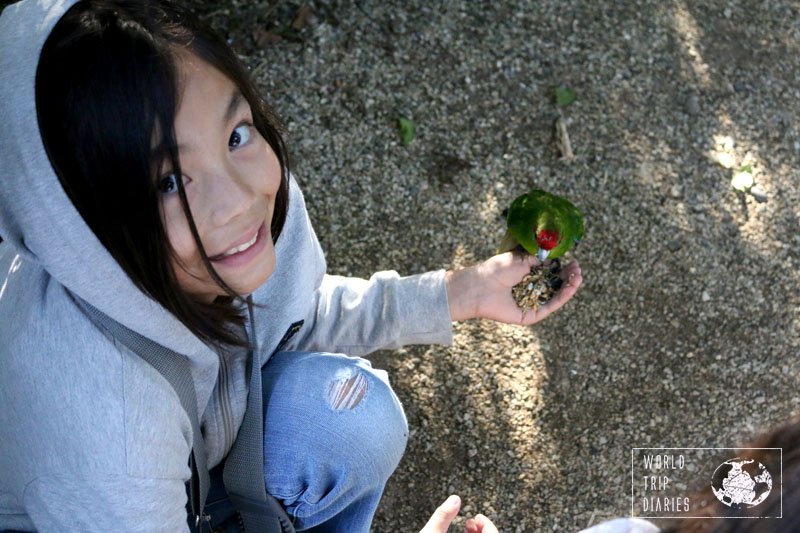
240 136
168 184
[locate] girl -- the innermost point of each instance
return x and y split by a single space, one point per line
144 174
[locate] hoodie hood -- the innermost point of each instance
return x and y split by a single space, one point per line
37 217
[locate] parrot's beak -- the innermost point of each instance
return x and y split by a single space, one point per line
542 254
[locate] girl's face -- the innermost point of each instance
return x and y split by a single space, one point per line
231 177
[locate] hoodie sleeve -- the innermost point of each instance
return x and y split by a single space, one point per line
102 504
346 314
359 316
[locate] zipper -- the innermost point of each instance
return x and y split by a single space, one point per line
224 400
227 416
225 404
201 520
194 486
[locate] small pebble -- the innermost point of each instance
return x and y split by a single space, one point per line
758 194
693 105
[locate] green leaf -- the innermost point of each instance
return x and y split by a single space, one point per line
408 130
564 96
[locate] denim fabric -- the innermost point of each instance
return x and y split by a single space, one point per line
334 433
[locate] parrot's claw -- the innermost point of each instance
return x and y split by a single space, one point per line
553 264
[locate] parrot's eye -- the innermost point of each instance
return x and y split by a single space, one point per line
547 239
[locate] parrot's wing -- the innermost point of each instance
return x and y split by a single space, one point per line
523 218
573 220
570 224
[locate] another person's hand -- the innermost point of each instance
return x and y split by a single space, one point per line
444 515
480 524
484 290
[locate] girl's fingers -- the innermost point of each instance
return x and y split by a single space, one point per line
443 516
521 263
573 268
532 261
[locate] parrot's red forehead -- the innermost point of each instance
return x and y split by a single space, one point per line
547 239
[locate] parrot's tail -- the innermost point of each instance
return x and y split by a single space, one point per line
507 244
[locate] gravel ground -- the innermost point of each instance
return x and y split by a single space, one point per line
686 330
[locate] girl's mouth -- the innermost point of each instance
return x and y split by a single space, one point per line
244 256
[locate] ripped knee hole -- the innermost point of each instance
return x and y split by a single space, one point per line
347 393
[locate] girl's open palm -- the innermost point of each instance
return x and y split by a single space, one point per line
484 290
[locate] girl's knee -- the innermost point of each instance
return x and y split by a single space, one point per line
351 408
363 404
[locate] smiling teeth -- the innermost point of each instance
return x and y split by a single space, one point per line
241 248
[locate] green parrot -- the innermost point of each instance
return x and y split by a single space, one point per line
545 225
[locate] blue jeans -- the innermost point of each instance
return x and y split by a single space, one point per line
334 431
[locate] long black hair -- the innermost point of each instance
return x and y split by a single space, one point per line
106 88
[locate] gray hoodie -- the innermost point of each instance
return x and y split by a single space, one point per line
91 437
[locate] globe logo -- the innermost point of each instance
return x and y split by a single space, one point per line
741 482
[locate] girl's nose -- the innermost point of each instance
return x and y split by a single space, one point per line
229 196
